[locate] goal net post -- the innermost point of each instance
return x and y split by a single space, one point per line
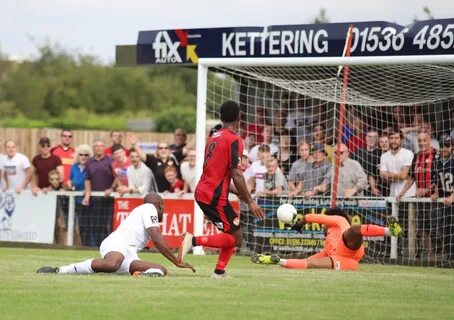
286 101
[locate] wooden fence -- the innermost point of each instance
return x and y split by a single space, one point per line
27 139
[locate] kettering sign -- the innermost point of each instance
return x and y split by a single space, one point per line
321 40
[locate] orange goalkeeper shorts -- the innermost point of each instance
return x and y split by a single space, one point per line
345 258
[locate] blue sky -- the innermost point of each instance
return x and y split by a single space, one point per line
96 26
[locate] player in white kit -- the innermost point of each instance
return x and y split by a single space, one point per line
119 249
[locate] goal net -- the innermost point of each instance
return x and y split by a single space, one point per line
295 109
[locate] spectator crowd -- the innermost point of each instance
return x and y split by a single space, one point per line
289 153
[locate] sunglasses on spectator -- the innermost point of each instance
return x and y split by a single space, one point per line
163 147
83 154
67 135
45 145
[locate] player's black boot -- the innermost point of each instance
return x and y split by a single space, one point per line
47 269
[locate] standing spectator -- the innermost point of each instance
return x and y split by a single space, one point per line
357 140
65 152
99 177
315 177
255 174
424 128
369 159
61 221
1 172
304 151
352 178
395 165
187 169
76 182
421 173
268 140
157 163
177 148
300 121
17 170
120 164
116 137
383 143
411 131
274 179
443 177
176 185
279 122
140 178
319 136
44 163
256 127
285 157
250 141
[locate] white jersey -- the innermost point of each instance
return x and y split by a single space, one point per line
133 230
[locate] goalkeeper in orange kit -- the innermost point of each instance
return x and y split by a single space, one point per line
343 245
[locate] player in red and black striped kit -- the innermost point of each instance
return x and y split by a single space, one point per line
222 158
421 174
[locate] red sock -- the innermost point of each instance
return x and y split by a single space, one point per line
295 264
372 230
224 258
221 240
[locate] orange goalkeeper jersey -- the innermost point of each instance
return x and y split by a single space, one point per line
334 245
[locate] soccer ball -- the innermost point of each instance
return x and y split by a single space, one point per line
286 213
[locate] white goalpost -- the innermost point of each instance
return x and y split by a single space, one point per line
293 96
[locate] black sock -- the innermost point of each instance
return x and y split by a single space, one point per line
218 271
193 242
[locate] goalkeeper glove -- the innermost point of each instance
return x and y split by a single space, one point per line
298 226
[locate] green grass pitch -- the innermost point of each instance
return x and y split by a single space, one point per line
251 292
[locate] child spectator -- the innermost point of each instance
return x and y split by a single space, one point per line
175 185
274 179
55 183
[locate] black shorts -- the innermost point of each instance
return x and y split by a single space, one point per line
223 217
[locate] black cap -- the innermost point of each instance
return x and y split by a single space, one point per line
44 140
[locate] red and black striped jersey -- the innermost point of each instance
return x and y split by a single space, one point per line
421 169
222 153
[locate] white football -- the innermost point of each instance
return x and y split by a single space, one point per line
286 213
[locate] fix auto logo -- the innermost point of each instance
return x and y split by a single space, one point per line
166 49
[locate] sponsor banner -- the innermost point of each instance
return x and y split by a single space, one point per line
376 38
27 218
271 235
178 218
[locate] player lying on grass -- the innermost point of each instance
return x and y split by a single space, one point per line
119 249
343 245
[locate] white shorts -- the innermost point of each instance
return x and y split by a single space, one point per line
129 252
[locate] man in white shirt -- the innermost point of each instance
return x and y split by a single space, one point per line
395 165
187 170
140 178
119 250
17 171
255 174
